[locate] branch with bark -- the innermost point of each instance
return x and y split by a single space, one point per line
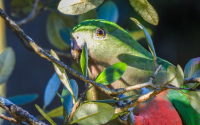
19 115
34 13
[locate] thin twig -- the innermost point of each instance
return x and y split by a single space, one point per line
139 100
19 114
146 84
76 105
8 118
34 13
192 80
190 89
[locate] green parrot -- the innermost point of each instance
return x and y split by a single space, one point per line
108 44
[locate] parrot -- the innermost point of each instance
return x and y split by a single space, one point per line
107 44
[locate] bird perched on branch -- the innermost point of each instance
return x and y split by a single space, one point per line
108 44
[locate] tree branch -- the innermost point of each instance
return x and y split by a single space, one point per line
190 89
33 13
76 105
139 100
19 114
192 80
8 118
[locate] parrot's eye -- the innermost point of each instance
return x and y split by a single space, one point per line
100 32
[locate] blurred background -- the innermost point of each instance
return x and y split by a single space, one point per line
176 39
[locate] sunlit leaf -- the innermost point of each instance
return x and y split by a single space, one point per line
108 11
45 115
23 99
55 25
21 8
194 99
62 75
92 14
84 60
145 10
148 38
7 62
93 113
111 74
177 73
76 7
55 113
66 97
192 69
137 35
188 115
51 89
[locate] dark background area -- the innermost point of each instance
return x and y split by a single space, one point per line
176 39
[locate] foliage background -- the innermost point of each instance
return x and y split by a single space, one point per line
176 39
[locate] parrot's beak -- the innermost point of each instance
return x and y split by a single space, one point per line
75 50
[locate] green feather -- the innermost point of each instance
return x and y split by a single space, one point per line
188 115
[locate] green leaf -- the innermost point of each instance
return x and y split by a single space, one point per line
93 113
92 14
114 100
7 62
194 85
177 73
111 74
51 89
62 75
22 8
114 117
137 35
23 99
55 25
188 115
192 69
45 115
145 10
55 113
194 99
76 7
148 38
66 97
84 60
108 11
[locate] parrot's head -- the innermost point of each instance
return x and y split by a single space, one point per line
102 38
